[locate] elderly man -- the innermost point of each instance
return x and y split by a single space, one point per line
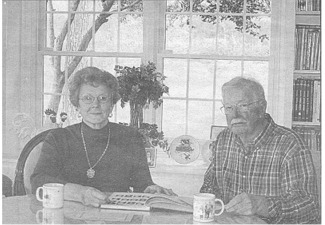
258 167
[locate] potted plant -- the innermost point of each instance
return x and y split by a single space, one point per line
152 137
140 86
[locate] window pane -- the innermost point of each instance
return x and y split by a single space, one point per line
99 6
200 119
201 79
84 5
204 30
178 5
258 6
219 117
257 37
129 62
205 6
230 36
226 70
259 71
131 36
49 75
138 7
105 63
106 36
174 119
231 6
176 72
59 5
177 33
54 30
79 27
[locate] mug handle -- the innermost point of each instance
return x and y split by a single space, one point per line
38 219
222 207
37 194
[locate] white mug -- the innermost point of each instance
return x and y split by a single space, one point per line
52 196
204 206
50 216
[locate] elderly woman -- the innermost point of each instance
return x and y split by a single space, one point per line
94 156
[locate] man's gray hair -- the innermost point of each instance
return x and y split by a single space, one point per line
245 83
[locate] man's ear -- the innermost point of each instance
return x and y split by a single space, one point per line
264 106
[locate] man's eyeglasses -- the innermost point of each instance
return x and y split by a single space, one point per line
241 107
88 99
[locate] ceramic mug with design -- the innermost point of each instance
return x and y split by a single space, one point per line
204 207
52 195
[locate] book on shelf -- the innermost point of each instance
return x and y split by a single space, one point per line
307 47
310 136
308 5
147 202
306 100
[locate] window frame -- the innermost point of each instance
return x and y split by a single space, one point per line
280 59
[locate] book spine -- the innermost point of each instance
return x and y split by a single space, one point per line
305 49
311 101
294 101
312 51
299 99
317 43
303 103
301 47
307 94
318 104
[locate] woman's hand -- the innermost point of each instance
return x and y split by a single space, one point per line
156 189
84 194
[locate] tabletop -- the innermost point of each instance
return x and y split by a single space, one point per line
27 210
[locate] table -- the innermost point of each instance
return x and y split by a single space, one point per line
27 210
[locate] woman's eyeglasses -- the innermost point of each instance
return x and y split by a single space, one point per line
241 107
88 99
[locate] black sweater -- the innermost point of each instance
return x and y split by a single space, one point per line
63 159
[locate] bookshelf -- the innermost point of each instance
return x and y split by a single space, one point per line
306 118
306 84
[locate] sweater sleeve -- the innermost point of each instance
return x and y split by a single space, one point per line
140 178
50 162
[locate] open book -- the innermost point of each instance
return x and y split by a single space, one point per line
145 202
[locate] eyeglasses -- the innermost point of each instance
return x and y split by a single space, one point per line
241 107
88 99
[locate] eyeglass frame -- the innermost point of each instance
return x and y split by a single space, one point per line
239 106
93 99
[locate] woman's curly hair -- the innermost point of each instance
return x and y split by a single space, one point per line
94 77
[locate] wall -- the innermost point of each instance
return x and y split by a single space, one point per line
19 74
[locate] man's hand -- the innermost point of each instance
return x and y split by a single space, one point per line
156 189
248 204
85 195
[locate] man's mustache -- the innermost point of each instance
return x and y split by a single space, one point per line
237 120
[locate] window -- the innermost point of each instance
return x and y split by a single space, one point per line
206 44
99 34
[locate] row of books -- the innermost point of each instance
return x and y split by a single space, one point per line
310 135
307 47
306 100
309 5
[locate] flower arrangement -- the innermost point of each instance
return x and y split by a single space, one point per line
151 136
140 86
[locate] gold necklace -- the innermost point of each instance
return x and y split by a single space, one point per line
91 171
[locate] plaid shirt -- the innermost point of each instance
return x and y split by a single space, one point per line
277 165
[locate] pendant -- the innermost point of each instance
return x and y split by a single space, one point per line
90 173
